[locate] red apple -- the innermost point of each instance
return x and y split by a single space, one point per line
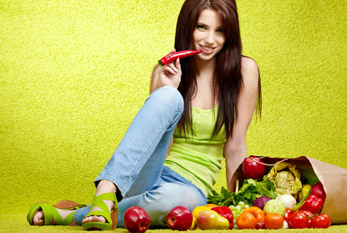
136 219
179 218
252 168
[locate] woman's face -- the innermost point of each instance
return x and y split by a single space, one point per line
208 35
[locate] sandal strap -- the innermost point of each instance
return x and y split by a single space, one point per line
69 219
98 201
32 211
50 214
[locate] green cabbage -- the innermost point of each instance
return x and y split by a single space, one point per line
286 178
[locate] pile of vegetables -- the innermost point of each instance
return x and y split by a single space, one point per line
283 191
249 192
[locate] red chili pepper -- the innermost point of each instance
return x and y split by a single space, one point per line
175 55
313 204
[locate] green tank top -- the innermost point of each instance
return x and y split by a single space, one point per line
198 157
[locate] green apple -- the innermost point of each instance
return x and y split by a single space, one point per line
275 206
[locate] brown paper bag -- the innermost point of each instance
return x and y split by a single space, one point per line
333 178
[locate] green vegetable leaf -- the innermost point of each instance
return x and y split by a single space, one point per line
250 190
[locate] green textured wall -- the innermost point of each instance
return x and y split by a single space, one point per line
73 74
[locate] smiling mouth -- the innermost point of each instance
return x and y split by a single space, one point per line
207 49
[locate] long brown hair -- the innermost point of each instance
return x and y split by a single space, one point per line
227 75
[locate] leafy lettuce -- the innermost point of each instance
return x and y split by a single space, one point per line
250 190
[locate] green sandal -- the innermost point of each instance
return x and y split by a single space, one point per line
51 215
110 216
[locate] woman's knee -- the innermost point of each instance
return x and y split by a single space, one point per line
169 96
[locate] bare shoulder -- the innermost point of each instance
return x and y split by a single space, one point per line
249 66
249 70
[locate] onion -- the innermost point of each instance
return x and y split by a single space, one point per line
288 200
261 201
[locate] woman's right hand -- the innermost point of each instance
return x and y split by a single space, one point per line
170 74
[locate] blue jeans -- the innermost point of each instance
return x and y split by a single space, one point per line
137 165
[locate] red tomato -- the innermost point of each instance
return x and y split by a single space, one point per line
287 214
321 221
298 220
307 213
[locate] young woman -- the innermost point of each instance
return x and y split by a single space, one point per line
197 114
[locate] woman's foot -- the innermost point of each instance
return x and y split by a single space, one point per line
104 186
61 213
39 217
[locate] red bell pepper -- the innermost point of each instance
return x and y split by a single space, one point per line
313 204
318 190
225 212
175 55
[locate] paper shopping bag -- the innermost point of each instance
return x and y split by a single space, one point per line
333 178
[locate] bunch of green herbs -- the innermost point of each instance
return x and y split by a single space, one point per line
250 190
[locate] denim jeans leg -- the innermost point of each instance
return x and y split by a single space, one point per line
80 214
157 202
144 145
168 193
151 171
